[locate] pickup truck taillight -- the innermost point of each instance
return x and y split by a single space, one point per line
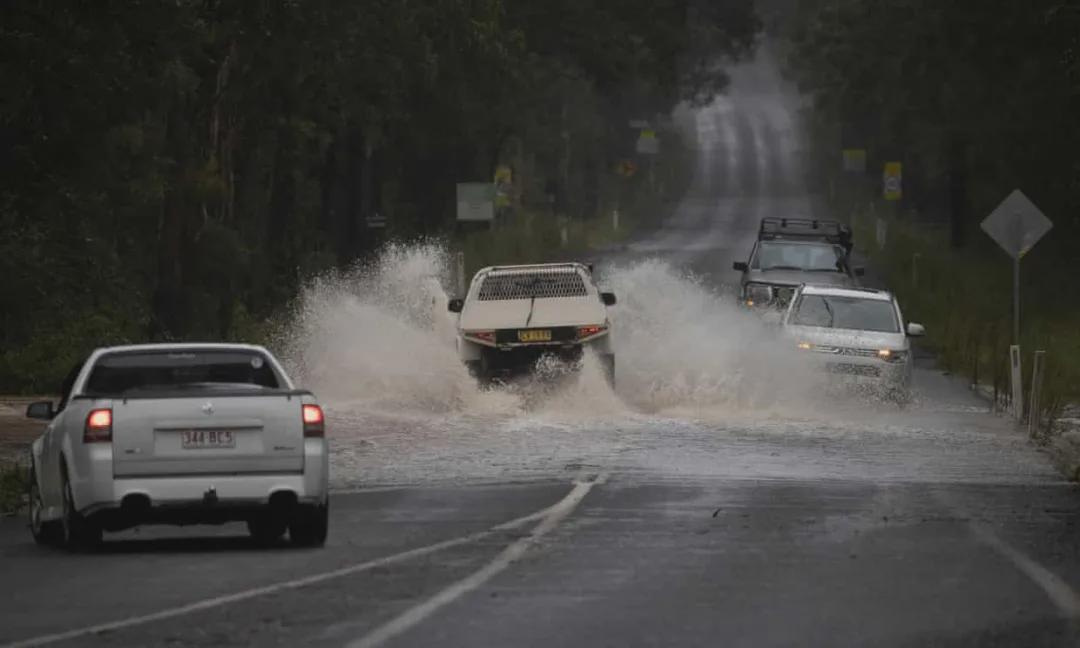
98 426
481 336
589 331
314 422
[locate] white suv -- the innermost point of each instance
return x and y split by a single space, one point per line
180 434
513 316
855 333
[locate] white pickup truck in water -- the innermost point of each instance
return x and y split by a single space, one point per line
179 434
513 316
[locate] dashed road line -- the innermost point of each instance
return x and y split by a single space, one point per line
1058 591
544 515
416 614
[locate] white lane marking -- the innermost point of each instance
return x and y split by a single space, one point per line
314 579
418 613
1057 590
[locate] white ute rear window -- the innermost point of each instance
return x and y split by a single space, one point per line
528 284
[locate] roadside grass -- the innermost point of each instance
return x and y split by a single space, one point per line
13 487
535 237
964 298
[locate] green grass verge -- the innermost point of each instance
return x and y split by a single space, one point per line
538 238
964 298
13 487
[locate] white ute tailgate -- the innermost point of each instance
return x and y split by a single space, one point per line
266 433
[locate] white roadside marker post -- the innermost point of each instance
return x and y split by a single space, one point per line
1038 370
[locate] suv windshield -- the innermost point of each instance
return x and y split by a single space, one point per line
787 255
122 373
830 311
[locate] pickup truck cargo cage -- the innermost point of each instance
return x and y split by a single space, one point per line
805 228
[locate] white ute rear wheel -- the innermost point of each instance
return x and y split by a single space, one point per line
79 533
310 526
45 532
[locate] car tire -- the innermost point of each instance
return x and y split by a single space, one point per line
310 526
77 532
481 371
607 362
266 529
900 396
45 532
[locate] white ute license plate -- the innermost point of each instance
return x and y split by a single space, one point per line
198 439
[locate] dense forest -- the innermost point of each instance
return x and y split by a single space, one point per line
174 170
975 97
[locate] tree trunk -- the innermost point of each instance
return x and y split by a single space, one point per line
958 191
168 307
282 232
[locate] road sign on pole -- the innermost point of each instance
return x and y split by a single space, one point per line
475 201
893 181
648 143
1016 225
1016 382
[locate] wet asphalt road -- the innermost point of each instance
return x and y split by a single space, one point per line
937 526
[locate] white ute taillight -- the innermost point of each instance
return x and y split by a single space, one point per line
314 422
98 426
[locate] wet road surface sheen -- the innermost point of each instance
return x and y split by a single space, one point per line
828 522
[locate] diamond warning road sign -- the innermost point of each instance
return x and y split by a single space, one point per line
1017 224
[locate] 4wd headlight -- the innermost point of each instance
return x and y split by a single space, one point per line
758 294
890 355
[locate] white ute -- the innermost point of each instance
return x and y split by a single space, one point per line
513 316
179 434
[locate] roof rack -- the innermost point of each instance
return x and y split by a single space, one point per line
805 228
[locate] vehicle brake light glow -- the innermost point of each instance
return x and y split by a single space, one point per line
314 421
483 336
589 331
98 426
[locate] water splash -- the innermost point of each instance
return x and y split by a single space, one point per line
378 338
683 347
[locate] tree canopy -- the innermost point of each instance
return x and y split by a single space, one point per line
174 169
976 97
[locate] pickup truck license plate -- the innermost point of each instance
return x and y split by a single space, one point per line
535 335
199 439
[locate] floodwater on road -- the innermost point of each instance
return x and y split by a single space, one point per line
702 389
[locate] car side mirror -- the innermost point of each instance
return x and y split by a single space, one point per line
916 330
609 298
859 271
455 305
741 266
41 410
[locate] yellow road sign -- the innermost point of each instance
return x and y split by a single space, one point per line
893 177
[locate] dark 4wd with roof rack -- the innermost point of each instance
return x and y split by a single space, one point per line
794 251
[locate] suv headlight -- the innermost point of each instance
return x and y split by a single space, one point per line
891 355
757 294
